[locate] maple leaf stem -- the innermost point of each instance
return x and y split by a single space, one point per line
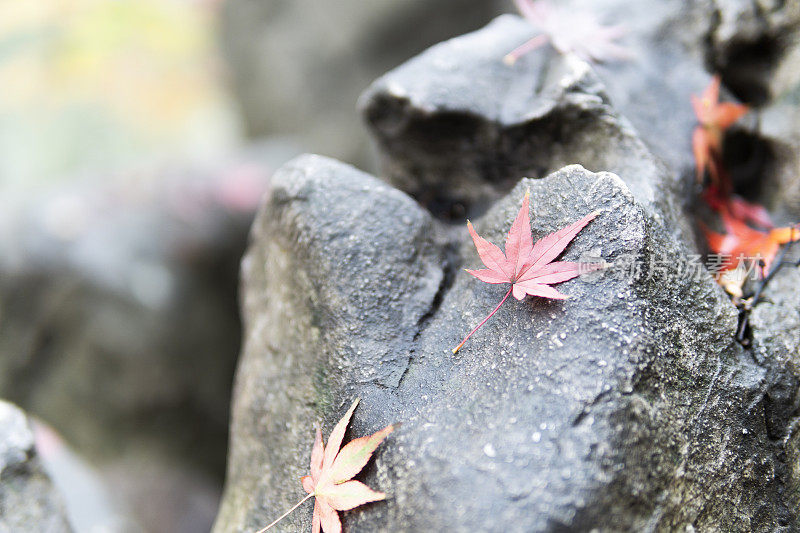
287 513
524 48
457 348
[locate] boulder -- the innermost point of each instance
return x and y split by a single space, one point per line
456 127
774 331
754 45
28 500
628 407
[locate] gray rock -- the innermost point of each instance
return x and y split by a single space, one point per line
457 111
628 407
343 225
753 44
28 501
668 41
298 65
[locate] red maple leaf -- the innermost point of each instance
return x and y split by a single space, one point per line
714 118
569 31
737 207
529 267
331 472
741 242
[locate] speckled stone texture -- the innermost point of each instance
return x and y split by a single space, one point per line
627 407
28 501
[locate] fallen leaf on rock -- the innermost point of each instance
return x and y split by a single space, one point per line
529 267
740 243
332 470
714 118
738 207
569 31
733 280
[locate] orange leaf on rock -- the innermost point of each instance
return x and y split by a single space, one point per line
331 471
714 118
712 113
331 487
742 241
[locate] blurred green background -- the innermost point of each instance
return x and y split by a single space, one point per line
92 85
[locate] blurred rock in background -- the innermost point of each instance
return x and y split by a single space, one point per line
88 504
120 325
298 66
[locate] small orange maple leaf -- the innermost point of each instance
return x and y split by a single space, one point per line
741 242
714 118
331 472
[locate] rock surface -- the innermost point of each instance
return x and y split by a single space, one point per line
627 407
456 126
779 140
756 48
28 501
